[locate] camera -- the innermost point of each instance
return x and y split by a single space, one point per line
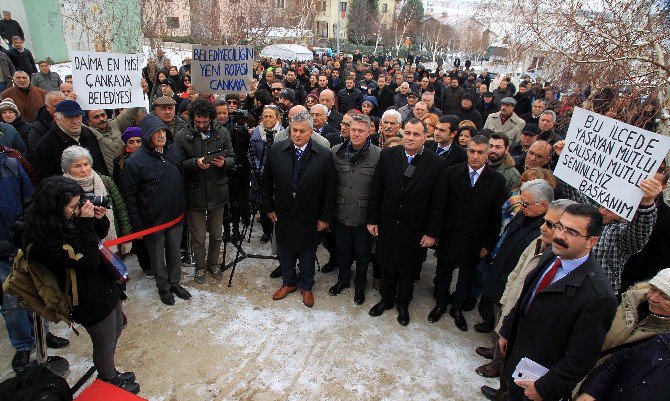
102 201
240 116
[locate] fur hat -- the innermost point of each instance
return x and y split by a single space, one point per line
662 281
8 104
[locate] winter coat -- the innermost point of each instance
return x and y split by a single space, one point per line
470 114
98 292
299 212
205 189
151 182
300 93
15 191
486 109
10 28
451 99
40 126
499 94
23 128
353 183
349 99
527 262
121 219
627 327
47 158
27 168
110 140
49 82
634 374
512 127
399 100
385 99
7 68
508 170
520 232
259 150
27 103
23 60
10 138
523 103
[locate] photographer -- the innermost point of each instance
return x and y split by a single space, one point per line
76 163
206 184
262 138
55 220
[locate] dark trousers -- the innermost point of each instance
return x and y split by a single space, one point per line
514 392
104 336
287 261
140 249
486 308
163 249
330 244
443 279
352 243
398 286
376 268
266 223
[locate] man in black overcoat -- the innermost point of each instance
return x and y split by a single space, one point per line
299 186
444 146
405 211
472 221
565 310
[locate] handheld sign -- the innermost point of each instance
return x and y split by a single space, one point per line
222 69
606 159
107 80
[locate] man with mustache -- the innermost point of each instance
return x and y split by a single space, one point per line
563 313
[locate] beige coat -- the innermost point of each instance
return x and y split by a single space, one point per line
512 127
527 262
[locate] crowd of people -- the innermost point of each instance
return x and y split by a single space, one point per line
379 160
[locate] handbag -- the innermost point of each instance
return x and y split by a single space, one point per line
113 263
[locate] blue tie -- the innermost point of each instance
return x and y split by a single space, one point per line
409 159
298 153
473 178
440 150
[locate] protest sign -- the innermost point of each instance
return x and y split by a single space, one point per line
222 69
606 159
107 80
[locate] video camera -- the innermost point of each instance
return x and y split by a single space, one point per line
240 117
102 201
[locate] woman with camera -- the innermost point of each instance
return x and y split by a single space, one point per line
76 163
55 218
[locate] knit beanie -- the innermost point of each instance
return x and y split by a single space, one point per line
131 132
8 104
662 281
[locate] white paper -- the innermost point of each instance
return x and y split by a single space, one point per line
222 69
529 370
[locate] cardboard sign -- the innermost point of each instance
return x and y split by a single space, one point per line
606 159
222 69
107 80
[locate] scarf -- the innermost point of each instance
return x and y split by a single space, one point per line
263 131
94 184
353 155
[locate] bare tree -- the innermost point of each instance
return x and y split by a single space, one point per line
435 36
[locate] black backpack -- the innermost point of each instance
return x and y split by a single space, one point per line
33 384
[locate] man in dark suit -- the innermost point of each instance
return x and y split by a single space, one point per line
564 312
299 186
472 220
319 113
405 214
445 132
327 98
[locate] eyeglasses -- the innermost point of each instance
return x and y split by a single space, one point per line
276 89
73 208
527 204
569 231
549 224
232 102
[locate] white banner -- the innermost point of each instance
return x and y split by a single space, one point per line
222 69
606 159
107 80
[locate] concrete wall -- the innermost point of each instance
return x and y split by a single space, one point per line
41 25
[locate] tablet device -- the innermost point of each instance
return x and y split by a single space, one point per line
213 155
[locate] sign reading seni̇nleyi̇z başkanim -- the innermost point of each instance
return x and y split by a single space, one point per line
606 159
222 69
107 80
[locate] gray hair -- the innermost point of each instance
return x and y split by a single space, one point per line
322 106
539 189
428 94
302 117
544 103
53 95
560 204
392 114
361 118
71 154
551 113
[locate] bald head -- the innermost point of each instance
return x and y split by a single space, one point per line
52 99
293 111
327 98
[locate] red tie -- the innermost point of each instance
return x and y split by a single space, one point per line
546 280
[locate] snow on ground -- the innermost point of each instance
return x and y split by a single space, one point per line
238 344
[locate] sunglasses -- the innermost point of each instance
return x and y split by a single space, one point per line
276 89
549 224
232 102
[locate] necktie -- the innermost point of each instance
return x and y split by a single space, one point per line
440 150
473 178
546 280
409 159
298 153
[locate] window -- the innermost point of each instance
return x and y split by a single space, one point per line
322 28
172 22
343 6
385 8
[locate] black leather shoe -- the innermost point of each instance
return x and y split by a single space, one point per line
486 352
265 238
490 393
330 266
276 273
436 314
403 316
459 319
126 376
469 305
56 342
117 381
379 308
337 289
180 292
20 361
359 297
483 327
166 297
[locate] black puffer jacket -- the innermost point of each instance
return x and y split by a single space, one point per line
39 127
349 99
151 182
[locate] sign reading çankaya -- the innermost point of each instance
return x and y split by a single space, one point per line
222 69
606 160
107 80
